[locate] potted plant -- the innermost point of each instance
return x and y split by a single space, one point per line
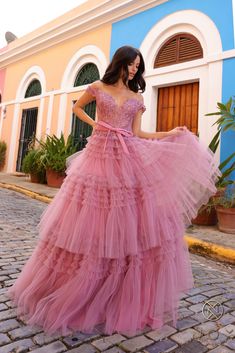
54 153
225 122
3 148
207 213
225 208
32 165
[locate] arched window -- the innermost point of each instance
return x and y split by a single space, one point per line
88 73
177 49
34 89
81 130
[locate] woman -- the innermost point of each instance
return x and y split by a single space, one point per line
111 248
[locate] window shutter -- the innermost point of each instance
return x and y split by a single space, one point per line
179 48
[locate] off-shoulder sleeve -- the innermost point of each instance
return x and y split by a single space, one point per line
91 90
141 106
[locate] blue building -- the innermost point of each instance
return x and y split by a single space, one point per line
188 47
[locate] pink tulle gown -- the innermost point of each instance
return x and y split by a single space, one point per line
111 249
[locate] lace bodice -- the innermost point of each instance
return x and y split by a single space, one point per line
120 116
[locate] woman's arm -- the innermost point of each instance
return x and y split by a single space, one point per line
136 129
80 104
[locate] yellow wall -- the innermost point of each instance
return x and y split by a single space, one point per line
7 127
53 63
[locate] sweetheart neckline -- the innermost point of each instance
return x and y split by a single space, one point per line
114 100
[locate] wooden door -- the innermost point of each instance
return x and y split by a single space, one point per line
178 106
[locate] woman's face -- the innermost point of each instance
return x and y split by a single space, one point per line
133 67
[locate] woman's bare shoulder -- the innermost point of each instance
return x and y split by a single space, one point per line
96 84
139 96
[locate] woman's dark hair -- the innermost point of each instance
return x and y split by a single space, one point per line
121 59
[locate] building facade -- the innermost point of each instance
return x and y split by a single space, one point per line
189 52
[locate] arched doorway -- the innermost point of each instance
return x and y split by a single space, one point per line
28 123
81 130
178 104
206 71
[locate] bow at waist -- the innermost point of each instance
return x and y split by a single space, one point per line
103 126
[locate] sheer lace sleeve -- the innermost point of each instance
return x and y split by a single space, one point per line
141 106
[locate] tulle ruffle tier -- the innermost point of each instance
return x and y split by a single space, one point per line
111 247
61 290
113 204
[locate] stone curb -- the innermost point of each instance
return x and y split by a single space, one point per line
210 249
195 245
22 190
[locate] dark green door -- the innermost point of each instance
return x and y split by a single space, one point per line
81 130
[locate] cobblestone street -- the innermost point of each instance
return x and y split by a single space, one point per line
195 332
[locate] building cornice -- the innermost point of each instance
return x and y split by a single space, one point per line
194 64
106 12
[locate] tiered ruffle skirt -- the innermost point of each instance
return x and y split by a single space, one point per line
111 249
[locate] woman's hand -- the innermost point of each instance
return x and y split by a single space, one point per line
94 125
177 130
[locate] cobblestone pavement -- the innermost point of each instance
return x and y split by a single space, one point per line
194 333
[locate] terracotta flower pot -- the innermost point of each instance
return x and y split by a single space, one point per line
206 218
54 179
34 178
226 219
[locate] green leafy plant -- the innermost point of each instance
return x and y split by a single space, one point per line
225 122
3 148
32 164
226 172
208 207
227 199
227 115
55 151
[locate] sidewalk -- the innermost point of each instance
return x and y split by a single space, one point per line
208 241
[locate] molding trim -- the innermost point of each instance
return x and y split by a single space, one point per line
229 54
208 70
107 11
34 72
89 53
191 21
62 114
40 118
49 114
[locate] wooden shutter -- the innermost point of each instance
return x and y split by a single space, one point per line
178 106
179 48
